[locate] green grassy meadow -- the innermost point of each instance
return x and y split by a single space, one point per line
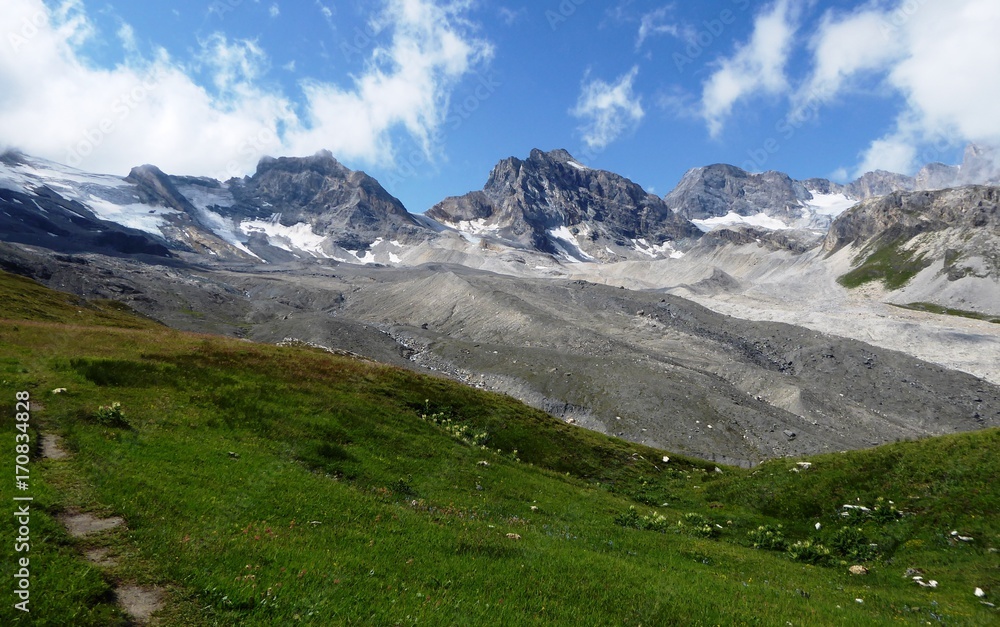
267 485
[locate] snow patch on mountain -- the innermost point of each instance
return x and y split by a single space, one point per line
108 197
830 204
666 249
203 199
566 245
823 209
38 172
296 238
761 220
134 216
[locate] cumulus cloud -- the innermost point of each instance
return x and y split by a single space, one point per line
938 55
56 105
608 109
275 10
845 47
756 67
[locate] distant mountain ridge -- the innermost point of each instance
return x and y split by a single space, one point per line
289 208
549 204
723 194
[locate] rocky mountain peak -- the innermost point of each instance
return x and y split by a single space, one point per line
348 206
879 183
155 187
553 203
720 189
559 155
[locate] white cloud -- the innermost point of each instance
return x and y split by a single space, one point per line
842 48
152 110
274 11
894 153
233 66
325 10
406 85
609 109
757 66
654 23
939 56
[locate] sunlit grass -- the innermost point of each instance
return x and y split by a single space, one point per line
265 485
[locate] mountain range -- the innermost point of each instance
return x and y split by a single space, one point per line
708 321
548 208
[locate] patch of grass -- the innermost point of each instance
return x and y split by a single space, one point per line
279 485
889 263
948 311
25 299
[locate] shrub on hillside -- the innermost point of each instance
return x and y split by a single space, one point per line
768 538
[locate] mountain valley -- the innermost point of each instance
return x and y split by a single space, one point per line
569 288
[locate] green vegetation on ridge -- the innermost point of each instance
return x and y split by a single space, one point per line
889 263
949 311
282 485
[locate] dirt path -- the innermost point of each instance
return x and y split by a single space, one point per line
139 602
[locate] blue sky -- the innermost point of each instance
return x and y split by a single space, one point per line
427 95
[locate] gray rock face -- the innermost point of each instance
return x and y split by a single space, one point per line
795 241
936 176
904 215
349 207
980 166
523 202
716 190
940 247
878 183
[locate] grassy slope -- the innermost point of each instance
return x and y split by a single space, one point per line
342 505
888 262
